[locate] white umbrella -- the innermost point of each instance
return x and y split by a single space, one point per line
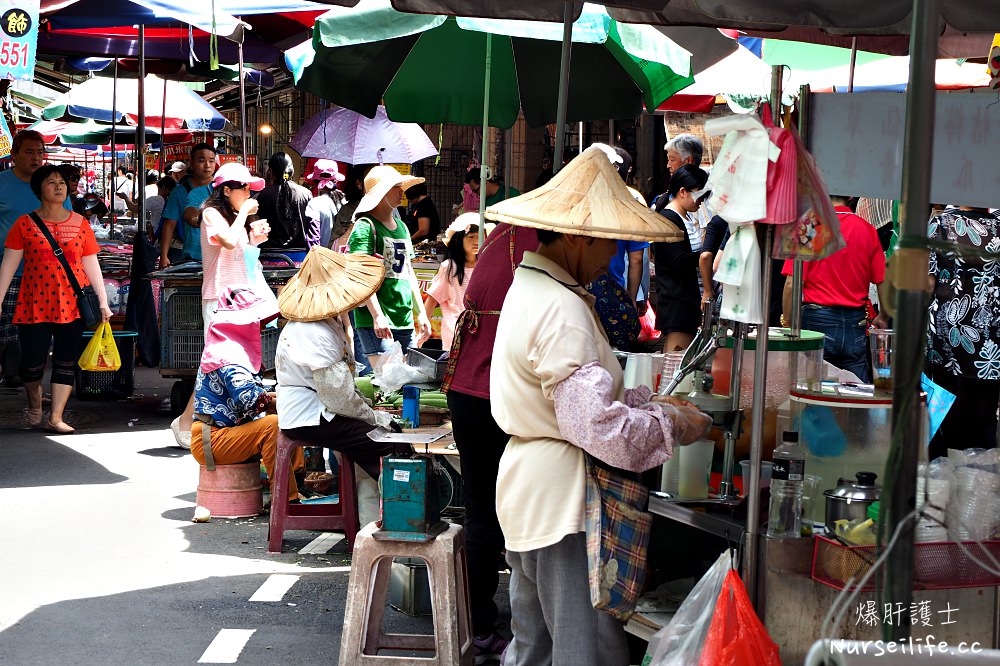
347 136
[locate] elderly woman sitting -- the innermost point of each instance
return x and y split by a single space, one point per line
235 416
318 401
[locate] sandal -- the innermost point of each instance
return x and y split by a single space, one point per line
60 428
32 417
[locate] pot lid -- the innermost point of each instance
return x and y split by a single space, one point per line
864 489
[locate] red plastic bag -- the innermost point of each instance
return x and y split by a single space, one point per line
648 333
737 637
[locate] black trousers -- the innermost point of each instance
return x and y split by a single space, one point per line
480 444
66 347
972 420
350 437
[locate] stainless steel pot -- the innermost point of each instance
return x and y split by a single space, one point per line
850 501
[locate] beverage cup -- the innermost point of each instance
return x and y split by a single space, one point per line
810 497
881 341
670 474
695 468
639 371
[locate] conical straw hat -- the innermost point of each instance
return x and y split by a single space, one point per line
586 198
329 283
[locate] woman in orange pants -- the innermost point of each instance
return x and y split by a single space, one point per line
229 395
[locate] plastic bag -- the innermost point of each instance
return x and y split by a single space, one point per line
392 372
740 272
680 642
738 181
101 353
815 234
737 636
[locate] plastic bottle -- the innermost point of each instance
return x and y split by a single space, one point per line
784 515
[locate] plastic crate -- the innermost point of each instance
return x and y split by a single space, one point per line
182 309
114 385
943 565
181 350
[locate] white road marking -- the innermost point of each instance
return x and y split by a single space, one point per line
226 647
274 587
322 544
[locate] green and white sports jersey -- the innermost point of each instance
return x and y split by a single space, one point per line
396 293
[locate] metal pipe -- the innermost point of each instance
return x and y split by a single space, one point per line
485 142
243 104
911 306
140 134
114 151
760 381
732 434
508 161
611 132
854 62
796 314
163 128
563 100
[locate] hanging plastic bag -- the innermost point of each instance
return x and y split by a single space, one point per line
740 272
101 353
815 234
738 181
781 178
680 642
737 636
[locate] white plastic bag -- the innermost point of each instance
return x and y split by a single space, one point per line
740 272
680 642
738 181
392 372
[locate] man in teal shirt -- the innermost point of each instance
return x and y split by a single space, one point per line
17 199
181 214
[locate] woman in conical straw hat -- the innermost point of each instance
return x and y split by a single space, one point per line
557 389
314 363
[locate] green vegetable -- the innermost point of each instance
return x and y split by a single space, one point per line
364 384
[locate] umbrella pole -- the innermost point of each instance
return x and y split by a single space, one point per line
163 128
563 99
243 105
854 62
909 277
114 151
486 129
140 134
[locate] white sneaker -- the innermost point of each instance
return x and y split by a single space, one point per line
182 437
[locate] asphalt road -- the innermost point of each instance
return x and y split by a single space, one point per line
101 564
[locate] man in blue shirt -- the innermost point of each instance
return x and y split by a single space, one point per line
181 214
17 199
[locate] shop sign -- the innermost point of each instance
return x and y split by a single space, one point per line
18 38
6 138
251 162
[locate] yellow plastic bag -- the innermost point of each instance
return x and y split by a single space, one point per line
101 353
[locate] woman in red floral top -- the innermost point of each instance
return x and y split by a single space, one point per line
46 310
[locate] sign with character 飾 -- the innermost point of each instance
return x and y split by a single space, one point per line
18 38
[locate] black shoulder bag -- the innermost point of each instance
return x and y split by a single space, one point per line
86 297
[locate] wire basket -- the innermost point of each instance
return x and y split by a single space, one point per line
941 565
109 385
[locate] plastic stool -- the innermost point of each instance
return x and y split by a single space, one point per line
363 635
342 516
